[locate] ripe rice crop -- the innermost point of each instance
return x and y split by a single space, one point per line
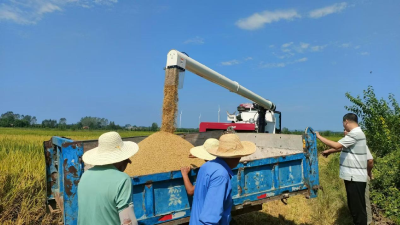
22 172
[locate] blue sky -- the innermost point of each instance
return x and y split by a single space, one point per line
105 58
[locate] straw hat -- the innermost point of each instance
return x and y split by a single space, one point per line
230 146
111 149
201 151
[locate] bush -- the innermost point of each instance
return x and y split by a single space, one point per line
380 121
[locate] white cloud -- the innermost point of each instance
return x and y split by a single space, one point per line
317 48
301 60
196 40
364 53
335 8
357 47
248 58
345 45
287 45
32 11
304 45
48 8
282 64
272 65
272 46
257 20
230 63
289 49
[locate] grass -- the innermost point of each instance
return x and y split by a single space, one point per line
22 184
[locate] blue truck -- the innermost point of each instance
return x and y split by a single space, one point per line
283 165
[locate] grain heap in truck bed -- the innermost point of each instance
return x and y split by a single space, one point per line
161 152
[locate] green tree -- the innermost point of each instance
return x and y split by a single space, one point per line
379 119
33 120
285 130
154 126
62 121
49 123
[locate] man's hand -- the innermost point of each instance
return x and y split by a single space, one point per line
326 153
318 135
185 170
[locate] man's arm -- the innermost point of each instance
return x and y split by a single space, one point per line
124 204
127 216
188 185
332 144
213 207
370 165
326 153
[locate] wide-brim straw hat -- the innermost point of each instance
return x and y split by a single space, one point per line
111 149
201 151
230 146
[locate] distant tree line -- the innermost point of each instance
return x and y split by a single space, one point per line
11 119
328 133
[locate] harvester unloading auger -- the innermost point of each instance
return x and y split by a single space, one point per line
256 114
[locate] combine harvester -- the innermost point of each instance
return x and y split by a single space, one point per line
283 165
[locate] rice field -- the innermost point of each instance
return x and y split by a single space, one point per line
22 172
22 185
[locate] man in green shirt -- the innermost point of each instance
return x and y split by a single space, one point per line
105 191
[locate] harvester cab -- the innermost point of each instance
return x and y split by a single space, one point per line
248 113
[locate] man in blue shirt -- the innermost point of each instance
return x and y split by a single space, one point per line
212 201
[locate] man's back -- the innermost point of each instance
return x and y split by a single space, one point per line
212 201
103 192
353 158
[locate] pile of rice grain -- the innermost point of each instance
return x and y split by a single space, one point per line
161 152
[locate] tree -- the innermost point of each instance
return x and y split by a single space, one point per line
94 122
62 121
49 123
27 118
285 130
9 119
33 120
154 126
112 126
380 122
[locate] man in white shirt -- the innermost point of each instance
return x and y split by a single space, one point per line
353 166
370 165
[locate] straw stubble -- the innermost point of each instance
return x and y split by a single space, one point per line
161 152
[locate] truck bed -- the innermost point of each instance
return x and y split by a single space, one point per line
283 165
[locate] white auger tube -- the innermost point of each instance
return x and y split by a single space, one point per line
176 59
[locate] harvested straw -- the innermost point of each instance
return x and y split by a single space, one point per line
161 152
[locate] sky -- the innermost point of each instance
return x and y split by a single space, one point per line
105 58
